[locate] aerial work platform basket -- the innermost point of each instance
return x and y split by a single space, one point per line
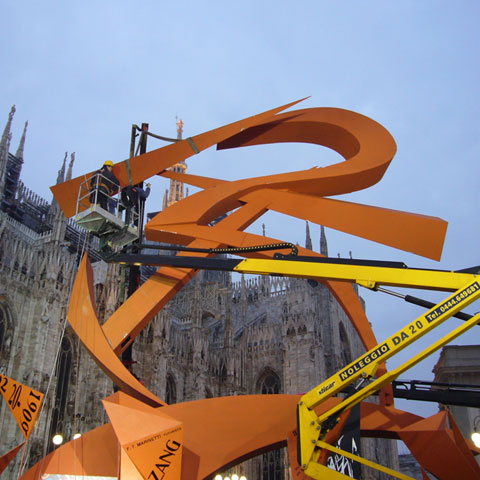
106 224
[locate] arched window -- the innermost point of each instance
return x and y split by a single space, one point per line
150 334
64 369
268 382
3 327
290 331
345 351
302 329
223 372
272 462
171 390
272 465
60 279
6 335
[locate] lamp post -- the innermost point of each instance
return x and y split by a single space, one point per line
476 435
77 425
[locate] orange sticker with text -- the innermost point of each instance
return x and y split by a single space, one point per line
23 401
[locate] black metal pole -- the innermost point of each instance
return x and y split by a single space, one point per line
133 272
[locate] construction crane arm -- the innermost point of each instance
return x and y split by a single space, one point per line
312 429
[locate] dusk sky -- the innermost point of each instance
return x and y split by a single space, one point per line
82 73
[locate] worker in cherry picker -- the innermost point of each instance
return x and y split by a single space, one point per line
130 197
104 184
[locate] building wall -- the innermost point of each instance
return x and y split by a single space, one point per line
460 364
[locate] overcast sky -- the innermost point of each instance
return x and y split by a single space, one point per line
83 72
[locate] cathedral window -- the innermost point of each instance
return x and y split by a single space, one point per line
345 351
3 327
59 279
64 368
150 335
6 335
272 465
223 373
269 383
171 390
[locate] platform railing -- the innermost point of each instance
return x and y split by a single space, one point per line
89 195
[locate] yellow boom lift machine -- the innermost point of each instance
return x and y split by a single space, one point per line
313 429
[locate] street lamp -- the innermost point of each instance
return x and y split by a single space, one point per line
476 434
57 439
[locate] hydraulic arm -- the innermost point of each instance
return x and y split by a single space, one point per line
313 429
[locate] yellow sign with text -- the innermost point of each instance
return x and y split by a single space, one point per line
23 401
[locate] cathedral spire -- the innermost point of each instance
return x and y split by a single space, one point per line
176 191
165 200
70 167
61 172
6 136
228 324
197 304
54 208
55 216
5 147
21 145
323 241
179 129
308 238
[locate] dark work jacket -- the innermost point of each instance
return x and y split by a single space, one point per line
131 194
108 183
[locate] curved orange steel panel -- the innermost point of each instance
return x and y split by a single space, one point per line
6 458
368 149
151 163
83 319
95 453
435 445
224 431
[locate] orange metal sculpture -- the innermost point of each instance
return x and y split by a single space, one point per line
9 456
223 431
